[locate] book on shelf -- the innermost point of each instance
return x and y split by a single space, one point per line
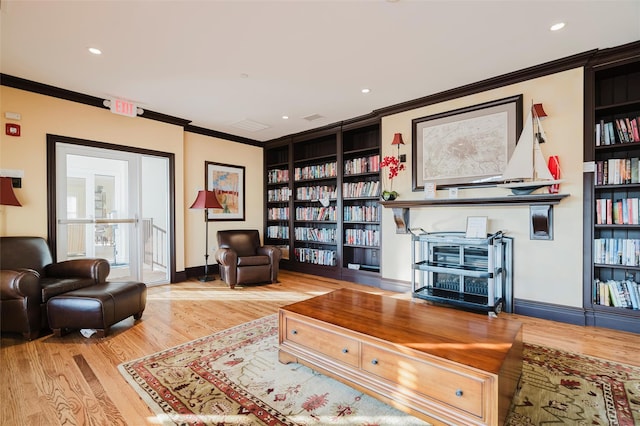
619 130
619 294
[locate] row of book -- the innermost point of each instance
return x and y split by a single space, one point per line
361 214
316 171
316 213
617 171
278 194
316 256
317 192
278 176
361 189
280 232
620 294
362 165
624 211
616 251
323 235
620 130
278 213
362 237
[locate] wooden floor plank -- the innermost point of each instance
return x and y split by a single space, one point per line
73 380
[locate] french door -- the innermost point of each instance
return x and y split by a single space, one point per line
113 205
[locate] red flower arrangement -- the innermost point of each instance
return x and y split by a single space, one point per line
395 167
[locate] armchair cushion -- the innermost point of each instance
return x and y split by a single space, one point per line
253 260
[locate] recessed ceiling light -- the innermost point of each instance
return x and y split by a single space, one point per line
366 90
285 117
95 51
558 26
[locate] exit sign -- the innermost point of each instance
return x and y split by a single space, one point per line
122 107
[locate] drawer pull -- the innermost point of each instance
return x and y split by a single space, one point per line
345 350
294 331
374 361
459 392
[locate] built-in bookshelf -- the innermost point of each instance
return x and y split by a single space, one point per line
278 208
611 198
315 192
361 188
328 210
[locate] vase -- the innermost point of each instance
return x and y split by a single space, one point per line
389 195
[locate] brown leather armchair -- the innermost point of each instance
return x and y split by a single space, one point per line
29 278
242 260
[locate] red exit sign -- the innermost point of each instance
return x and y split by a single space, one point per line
122 107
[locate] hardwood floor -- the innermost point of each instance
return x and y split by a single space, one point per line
74 381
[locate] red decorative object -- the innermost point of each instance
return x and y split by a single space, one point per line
554 168
394 166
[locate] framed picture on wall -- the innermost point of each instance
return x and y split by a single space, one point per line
466 147
227 181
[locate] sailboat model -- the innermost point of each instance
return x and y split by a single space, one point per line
527 169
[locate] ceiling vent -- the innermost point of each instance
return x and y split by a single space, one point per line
313 117
249 125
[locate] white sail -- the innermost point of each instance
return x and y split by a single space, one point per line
520 165
527 169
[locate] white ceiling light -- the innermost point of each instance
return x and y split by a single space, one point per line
558 26
285 117
366 90
95 51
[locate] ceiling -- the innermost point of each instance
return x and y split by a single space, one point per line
224 64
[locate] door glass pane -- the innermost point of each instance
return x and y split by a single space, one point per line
155 219
97 191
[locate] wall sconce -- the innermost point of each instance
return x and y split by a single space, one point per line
206 200
539 111
7 196
397 140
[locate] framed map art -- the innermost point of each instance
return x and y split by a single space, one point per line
466 147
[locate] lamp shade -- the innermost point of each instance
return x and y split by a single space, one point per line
206 200
7 196
397 139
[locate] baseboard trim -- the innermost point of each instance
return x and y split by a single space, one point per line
549 311
198 271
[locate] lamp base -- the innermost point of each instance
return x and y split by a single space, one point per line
206 278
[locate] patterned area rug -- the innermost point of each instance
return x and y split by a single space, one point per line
234 378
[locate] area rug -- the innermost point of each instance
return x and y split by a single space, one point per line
233 377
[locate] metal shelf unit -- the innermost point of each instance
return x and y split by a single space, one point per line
472 273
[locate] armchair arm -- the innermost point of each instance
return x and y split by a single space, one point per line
98 269
19 284
274 254
228 261
226 257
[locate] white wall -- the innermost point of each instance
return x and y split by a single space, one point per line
544 271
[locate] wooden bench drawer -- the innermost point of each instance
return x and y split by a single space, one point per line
457 390
333 345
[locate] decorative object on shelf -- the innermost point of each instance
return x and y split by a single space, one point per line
527 169
468 146
389 195
393 164
554 168
206 200
227 181
7 196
